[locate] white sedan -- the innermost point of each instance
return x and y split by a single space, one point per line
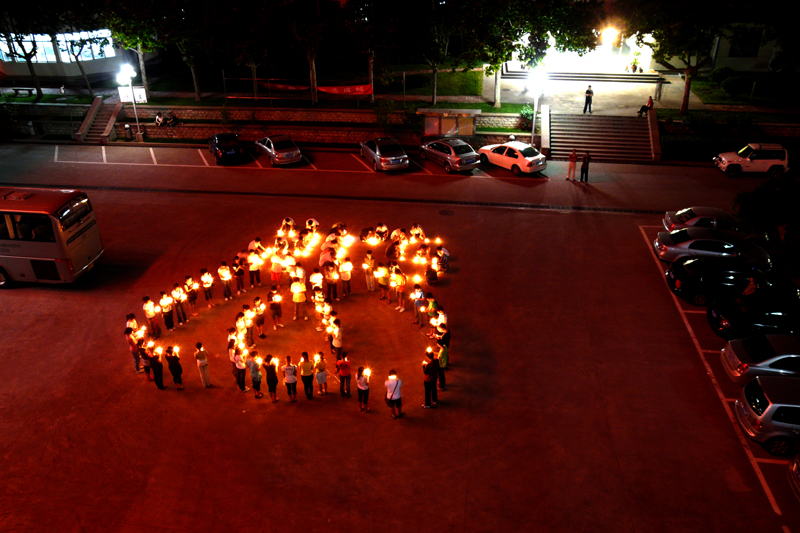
516 156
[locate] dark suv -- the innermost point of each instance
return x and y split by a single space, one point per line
225 147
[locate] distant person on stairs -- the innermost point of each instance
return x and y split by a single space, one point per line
588 103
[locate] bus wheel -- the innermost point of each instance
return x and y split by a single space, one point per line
5 279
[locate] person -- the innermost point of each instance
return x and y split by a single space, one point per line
232 352
394 389
172 119
152 318
133 347
659 85
430 308
238 271
585 160
179 296
255 373
225 277
174 365
157 367
369 266
166 311
190 287
275 309
159 119
443 256
287 228
336 342
382 231
277 267
345 270
202 364
241 368
290 378
260 309
752 286
272 378
647 107
431 370
382 275
145 356
298 289
130 321
418 295
438 318
320 374
417 233
307 375
588 102
254 265
208 286
343 369
573 158
362 382
400 289
331 279
444 360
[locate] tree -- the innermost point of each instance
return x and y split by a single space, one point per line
133 27
372 25
186 24
682 30
18 24
82 16
435 24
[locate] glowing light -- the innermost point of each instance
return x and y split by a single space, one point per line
373 241
417 278
280 233
150 344
367 372
348 240
274 361
429 349
176 349
259 360
276 298
609 36
316 358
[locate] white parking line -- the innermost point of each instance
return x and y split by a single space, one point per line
712 351
361 161
786 529
742 440
104 154
694 312
773 461
55 157
256 160
420 166
153 155
199 151
310 163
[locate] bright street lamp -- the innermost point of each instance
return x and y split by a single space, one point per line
537 79
125 77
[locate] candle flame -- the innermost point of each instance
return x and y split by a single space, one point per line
367 372
259 360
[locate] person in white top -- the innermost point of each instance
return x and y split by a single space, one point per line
362 380
290 378
394 388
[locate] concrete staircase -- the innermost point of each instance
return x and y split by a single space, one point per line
98 125
610 139
597 77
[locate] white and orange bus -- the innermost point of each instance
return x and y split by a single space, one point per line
46 235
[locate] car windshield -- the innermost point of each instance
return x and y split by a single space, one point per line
685 214
755 397
461 149
391 149
529 151
759 349
679 236
285 144
746 151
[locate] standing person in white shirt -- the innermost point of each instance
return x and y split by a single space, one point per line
362 381
394 388
202 364
290 378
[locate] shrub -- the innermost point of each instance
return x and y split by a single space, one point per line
737 86
718 75
699 123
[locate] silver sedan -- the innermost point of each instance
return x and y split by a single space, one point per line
766 355
453 154
280 149
700 217
384 154
703 242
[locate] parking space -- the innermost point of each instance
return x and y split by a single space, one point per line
78 154
183 157
141 156
771 471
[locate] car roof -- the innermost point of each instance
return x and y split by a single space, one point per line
34 200
781 390
276 138
451 142
385 140
517 144
703 211
766 146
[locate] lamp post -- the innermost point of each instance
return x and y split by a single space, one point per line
125 77
536 83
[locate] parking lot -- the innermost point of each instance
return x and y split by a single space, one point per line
771 471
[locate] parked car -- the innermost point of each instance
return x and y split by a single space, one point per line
794 475
770 158
765 355
280 150
775 312
453 154
698 280
518 157
384 154
225 147
701 217
768 409
704 242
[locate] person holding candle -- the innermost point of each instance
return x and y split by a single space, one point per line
290 378
394 391
369 271
277 267
431 370
241 367
238 272
180 309
418 296
158 368
444 360
152 318
145 357
174 365
430 307
166 311
343 369
259 308
318 299
382 275
331 279
254 263
275 309
316 279
443 257
344 274
225 277
382 231
254 364
271 367
336 342
400 281
208 286
190 287
362 382
439 317
320 373
298 289
133 347
130 322
417 233
307 375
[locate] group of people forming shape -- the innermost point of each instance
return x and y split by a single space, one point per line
335 267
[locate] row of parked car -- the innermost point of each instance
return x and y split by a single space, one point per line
713 261
384 153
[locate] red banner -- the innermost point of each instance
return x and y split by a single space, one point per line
336 89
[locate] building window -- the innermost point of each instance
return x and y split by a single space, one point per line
745 42
46 52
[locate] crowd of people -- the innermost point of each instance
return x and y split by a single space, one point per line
320 290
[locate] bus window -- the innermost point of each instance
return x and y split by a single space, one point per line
6 227
73 211
33 228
